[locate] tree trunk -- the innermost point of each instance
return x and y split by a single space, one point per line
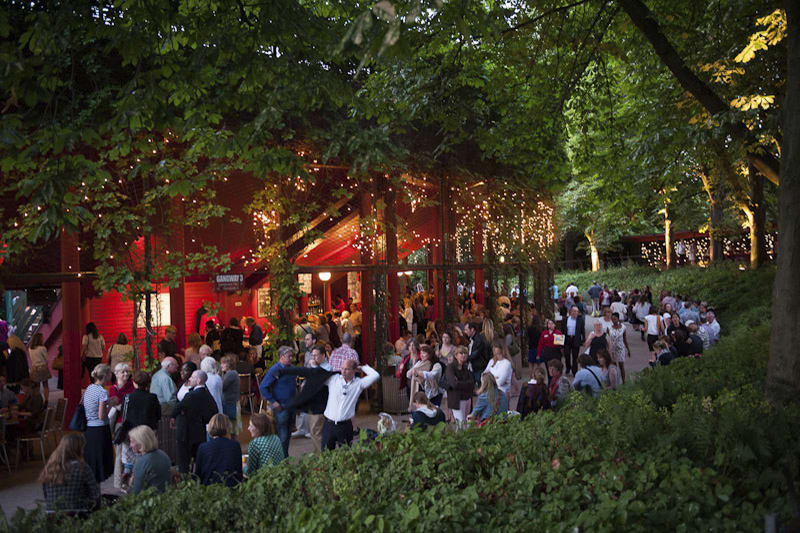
668 235
758 222
783 370
524 311
593 250
715 190
643 19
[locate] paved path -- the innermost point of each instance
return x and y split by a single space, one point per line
20 489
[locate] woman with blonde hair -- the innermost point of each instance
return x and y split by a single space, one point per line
40 370
491 401
425 375
152 467
219 460
488 330
99 452
67 481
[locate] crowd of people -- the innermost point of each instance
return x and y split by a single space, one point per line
188 413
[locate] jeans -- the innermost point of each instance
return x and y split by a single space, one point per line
282 420
229 410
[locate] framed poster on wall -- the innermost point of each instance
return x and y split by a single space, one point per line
305 283
264 302
159 308
354 286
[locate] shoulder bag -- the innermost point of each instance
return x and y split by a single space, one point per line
78 422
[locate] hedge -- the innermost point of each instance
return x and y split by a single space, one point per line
692 446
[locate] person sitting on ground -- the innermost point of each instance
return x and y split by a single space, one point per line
67 481
426 414
534 396
152 467
609 368
693 340
500 366
663 355
265 449
588 378
491 400
33 406
560 386
220 459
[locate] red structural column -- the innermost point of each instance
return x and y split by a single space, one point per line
438 277
71 322
452 275
430 273
327 297
392 281
177 295
477 253
367 324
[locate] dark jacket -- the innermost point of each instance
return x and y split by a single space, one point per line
143 409
479 355
533 398
230 340
580 328
219 461
422 421
17 366
193 413
459 384
313 397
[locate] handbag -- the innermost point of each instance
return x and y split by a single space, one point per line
121 431
78 422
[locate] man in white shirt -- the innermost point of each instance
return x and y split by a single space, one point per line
571 291
343 392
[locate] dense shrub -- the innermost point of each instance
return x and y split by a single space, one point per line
689 447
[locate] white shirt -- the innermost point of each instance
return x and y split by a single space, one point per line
572 290
620 309
182 391
652 324
214 386
571 323
501 370
343 396
607 325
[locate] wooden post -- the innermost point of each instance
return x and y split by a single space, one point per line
477 253
367 326
392 282
71 323
177 295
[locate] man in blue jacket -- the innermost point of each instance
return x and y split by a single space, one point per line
278 389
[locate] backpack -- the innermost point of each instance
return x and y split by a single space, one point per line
443 377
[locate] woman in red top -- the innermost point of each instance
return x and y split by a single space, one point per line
547 348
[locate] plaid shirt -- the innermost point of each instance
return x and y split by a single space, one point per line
342 354
80 491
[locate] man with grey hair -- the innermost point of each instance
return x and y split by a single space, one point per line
343 353
278 389
192 414
163 387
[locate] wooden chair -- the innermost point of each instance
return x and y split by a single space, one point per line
44 433
3 449
246 392
59 419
